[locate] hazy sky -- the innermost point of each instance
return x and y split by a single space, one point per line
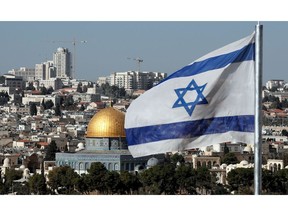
163 46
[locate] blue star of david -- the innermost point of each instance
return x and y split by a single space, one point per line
190 105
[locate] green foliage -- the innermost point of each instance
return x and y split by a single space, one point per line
30 86
10 176
230 158
51 151
113 182
21 188
33 109
4 97
68 101
85 88
284 132
186 179
79 88
226 149
37 184
82 184
130 182
112 91
204 181
43 90
96 177
159 179
175 158
49 104
63 179
241 179
58 110
50 90
2 80
281 182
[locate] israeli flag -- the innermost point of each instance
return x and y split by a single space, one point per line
209 101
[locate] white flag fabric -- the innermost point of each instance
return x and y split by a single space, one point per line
207 102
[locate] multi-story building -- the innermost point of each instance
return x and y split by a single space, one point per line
55 83
102 80
275 83
135 79
28 74
39 98
84 97
45 70
123 79
62 62
14 82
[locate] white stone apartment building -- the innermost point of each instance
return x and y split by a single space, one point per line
135 79
62 62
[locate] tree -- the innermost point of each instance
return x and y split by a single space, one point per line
230 158
63 180
49 104
175 158
51 151
82 184
284 132
113 182
30 86
204 181
50 90
2 79
96 177
37 184
122 92
79 87
10 176
69 101
43 90
226 149
281 181
43 104
58 110
33 109
186 179
82 108
130 182
269 183
241 180
159 179
85 89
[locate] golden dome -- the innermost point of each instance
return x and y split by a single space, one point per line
108 122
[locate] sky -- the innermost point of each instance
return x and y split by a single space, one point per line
164 46
166 36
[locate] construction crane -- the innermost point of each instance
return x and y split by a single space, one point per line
74 52
139 61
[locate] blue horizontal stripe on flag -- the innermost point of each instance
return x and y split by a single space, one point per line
189 129
245 54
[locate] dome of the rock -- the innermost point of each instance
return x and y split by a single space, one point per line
108 122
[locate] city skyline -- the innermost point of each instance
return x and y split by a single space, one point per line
116 46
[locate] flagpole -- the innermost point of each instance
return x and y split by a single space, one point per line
258 110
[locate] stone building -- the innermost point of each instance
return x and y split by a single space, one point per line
105 142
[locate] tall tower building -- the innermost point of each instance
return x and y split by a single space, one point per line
62 62
45 70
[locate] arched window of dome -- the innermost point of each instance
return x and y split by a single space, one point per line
86 165
81 166
109 166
